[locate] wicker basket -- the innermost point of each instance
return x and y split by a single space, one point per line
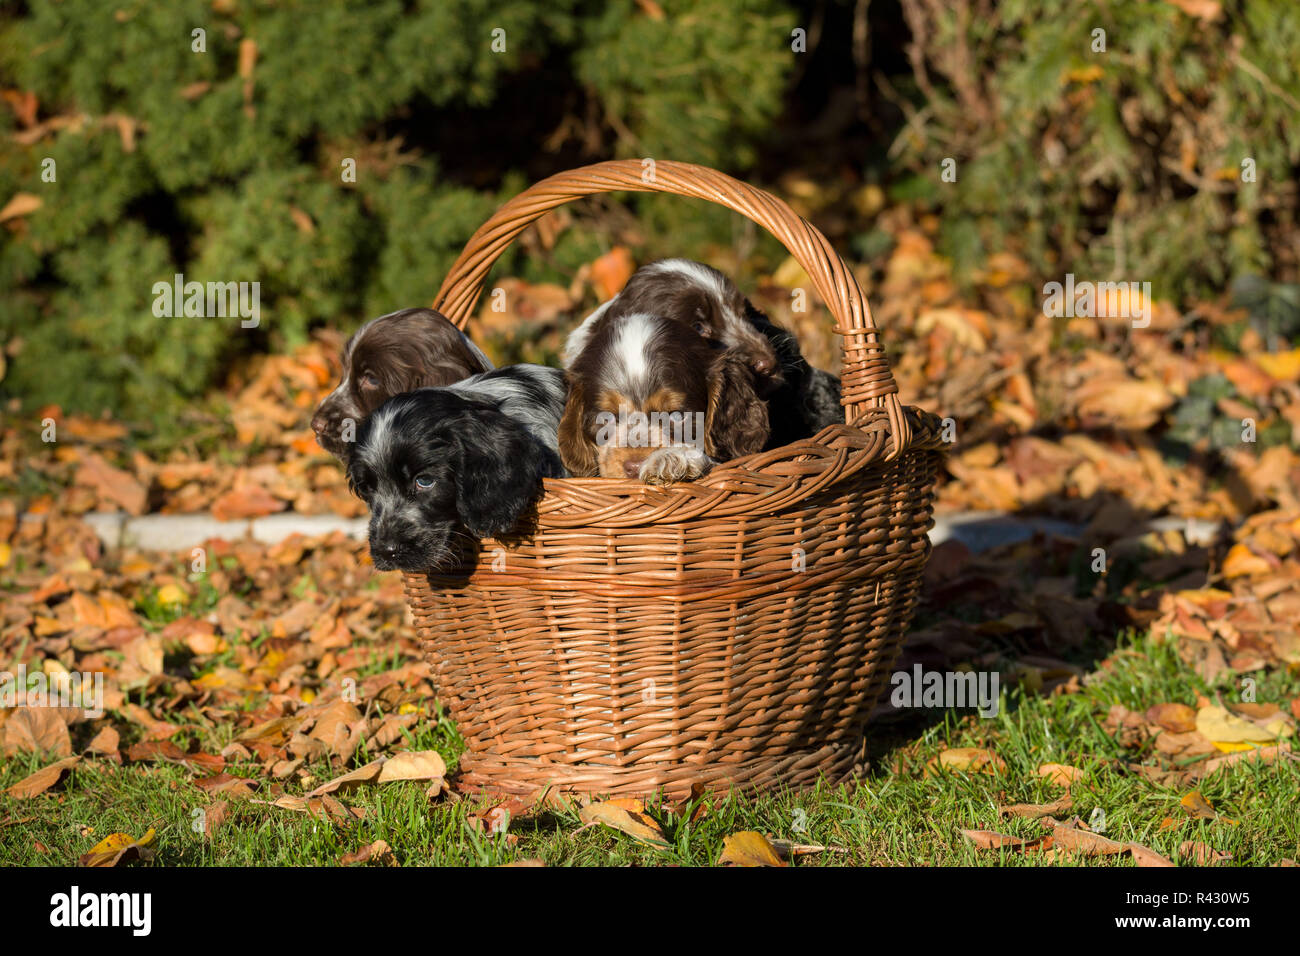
732 632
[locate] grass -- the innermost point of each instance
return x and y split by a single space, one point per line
895 813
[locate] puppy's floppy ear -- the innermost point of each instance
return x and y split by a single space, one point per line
498 473
736 423
575 450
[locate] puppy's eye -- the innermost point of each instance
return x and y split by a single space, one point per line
702 328
423 482
369 381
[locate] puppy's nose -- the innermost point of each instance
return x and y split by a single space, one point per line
764 366
632 467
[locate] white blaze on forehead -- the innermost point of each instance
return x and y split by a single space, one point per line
378 446
633 338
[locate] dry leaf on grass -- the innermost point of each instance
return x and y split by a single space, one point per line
749 848
1231 733
1197 807
40 781
37 729
213 816
1262 754
350 781
1203 854
1032 811
1175 718
1060 774
992 840
969 759
118 848
1085 842
413 765
639 826
379 853
1145 856
789 850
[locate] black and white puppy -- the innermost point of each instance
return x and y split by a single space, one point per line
462 461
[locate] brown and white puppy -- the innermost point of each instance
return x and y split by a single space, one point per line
701 298
651 400
802 400
395 353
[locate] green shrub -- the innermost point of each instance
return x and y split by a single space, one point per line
172 161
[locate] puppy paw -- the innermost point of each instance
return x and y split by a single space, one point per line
668 465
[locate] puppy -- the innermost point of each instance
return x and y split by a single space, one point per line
395 353
439 465
808 399
802 400
652 400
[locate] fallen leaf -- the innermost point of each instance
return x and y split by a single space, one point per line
1197 807
349 781
636 825
37 729
1262 754
992 840
1242 562
120 848
1175 718
971 759
413 765
1033 811
1202 853
43 779
749 848
1145 856
378 852
213 816
1230 732
113 484
1062 775
1085 842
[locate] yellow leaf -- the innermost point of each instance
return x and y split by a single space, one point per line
636 825
170 594
113 849
749 848
1242 562
6 552
1087 74
1197 806
1282 366
1230 733
1060 774
971 759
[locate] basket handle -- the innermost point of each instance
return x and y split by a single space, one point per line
866 380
